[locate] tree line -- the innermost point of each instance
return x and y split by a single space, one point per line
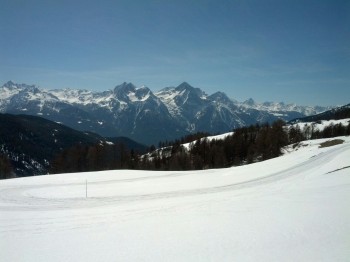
309 131
6 169
83 158
246 145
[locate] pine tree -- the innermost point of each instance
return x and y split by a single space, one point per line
295 135
6 170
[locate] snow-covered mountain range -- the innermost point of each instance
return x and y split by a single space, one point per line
141 114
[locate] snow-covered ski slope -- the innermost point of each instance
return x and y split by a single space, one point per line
292 208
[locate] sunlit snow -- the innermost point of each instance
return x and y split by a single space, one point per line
291 208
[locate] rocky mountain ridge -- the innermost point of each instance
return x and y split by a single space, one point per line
143 115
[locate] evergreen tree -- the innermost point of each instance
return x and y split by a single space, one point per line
6 170
295 135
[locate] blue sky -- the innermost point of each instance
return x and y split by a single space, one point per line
291 51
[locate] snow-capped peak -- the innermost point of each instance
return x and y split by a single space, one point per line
184 85
220 97
186 88
9 84
124 88
176 110
249 102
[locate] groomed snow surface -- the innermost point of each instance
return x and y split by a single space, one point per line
291 208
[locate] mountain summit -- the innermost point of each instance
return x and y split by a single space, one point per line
142 115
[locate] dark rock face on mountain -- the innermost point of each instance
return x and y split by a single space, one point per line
217 113
140 114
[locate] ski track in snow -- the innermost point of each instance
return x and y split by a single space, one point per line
19 196
242 209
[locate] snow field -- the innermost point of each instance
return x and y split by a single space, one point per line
291 208
321 125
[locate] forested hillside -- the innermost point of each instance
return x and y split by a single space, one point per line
28 144
245 145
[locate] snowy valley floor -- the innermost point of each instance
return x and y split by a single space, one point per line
291 208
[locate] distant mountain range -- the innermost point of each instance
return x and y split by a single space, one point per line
337 113
32 142
142 115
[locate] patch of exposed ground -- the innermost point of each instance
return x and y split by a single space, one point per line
331 143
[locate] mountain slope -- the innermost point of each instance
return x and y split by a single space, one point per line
31 142
217 113
140 114
337 113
